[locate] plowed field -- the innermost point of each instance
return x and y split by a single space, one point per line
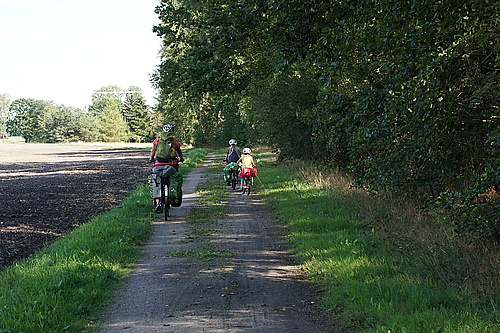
47 190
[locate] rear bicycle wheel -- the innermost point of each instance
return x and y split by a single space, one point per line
248 184
233 181
166 200
163 195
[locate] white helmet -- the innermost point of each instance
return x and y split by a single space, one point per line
246 151
168 128
232 142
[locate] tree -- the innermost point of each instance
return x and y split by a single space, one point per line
27 117
404 94
137 115
101 96
112 125
68 124
4 114
202 68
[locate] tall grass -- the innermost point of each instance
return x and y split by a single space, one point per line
62 287
384 266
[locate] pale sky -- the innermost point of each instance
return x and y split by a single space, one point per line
63 50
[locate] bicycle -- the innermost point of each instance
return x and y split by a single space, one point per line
164 173
231 172
247 185
234 178
248 174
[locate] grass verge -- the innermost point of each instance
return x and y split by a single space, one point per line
62 287
375 277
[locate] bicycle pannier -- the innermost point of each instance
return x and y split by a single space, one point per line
164 171
175 193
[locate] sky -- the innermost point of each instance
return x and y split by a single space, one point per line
63 50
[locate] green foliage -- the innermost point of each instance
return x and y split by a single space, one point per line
138 117
112 125
66 124
232 125
204 66
413 94
27 117
101 97
278 114
107 119
122 114
475 209
404 94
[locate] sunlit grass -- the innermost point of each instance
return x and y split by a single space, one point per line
380 273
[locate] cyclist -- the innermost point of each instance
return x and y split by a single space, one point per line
233 154
166 151
160 157
247 165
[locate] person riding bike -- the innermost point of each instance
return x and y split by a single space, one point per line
161 157
166 151
233 154
247 165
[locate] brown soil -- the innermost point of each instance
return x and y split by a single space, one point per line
47 190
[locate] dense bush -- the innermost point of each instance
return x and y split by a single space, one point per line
403 93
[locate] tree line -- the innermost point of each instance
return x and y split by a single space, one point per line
115 115
402 94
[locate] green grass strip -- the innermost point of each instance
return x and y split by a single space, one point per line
203 218
203 254
369 285
212 203
62 287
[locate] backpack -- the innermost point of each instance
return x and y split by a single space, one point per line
233 154
164 148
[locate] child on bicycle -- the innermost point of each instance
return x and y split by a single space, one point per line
247 165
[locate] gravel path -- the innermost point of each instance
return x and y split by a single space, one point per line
258 288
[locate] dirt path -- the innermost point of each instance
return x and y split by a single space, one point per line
258 289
